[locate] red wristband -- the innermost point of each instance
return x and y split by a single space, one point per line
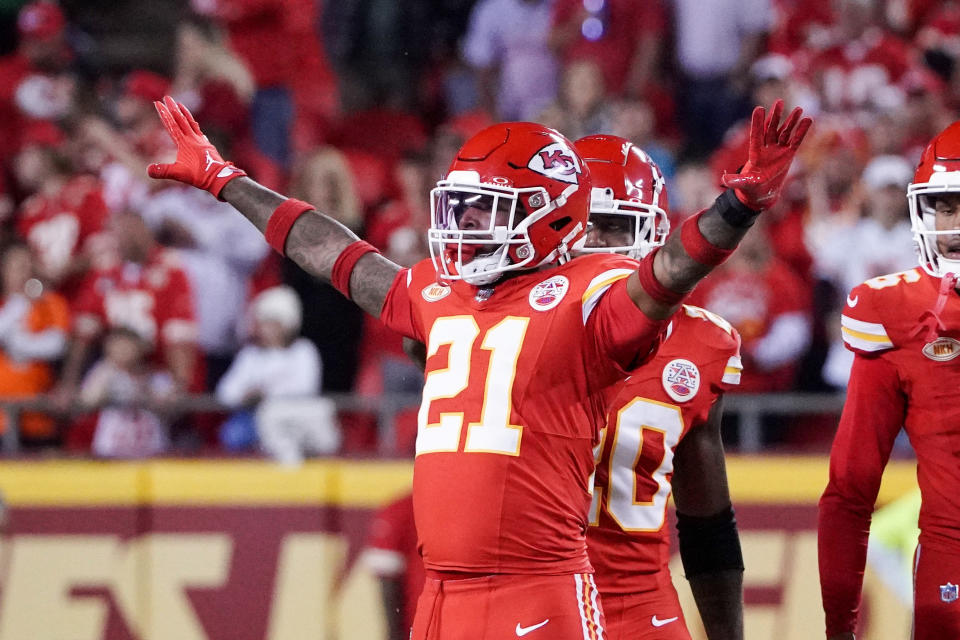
217 181
346 261
699 248
652 286
281 221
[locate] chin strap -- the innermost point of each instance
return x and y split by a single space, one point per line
930 325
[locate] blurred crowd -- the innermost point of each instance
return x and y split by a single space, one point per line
120 290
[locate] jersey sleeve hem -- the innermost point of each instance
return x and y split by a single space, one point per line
399 312
732 371
869 337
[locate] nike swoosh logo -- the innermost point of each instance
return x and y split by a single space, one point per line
522 631
225 172
852 302
657 622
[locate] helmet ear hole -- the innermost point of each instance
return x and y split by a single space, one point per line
558 225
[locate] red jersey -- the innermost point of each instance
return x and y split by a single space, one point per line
851 73
152 299
512 405
898 380
57 227
652 411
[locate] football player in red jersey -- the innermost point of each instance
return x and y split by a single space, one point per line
905 331
521 344
662 434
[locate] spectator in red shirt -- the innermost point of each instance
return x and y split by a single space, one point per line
858 59
65 213
147 292
624 38
277 40
33 85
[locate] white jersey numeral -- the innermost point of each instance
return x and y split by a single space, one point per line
635 422
493 433
459 332
893 279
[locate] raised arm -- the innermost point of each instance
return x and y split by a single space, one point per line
320 245
709 542
314 242
707 239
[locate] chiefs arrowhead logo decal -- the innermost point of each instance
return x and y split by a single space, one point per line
557 162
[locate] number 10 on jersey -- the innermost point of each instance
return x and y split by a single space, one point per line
493 433
630 464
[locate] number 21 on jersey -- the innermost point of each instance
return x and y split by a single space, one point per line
493 433
638 424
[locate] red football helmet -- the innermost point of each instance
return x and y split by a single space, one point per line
937 173
516 197
628 196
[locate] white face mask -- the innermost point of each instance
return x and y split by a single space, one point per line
923 223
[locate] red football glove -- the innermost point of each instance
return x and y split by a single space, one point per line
772 148
198 162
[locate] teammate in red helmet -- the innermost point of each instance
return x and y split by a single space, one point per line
628 200
662 435
905 331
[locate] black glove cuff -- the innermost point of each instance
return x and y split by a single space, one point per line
710 544
734 212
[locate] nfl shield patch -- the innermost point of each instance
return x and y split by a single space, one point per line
948 592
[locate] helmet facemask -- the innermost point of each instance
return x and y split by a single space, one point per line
479 231
923 214
642 227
